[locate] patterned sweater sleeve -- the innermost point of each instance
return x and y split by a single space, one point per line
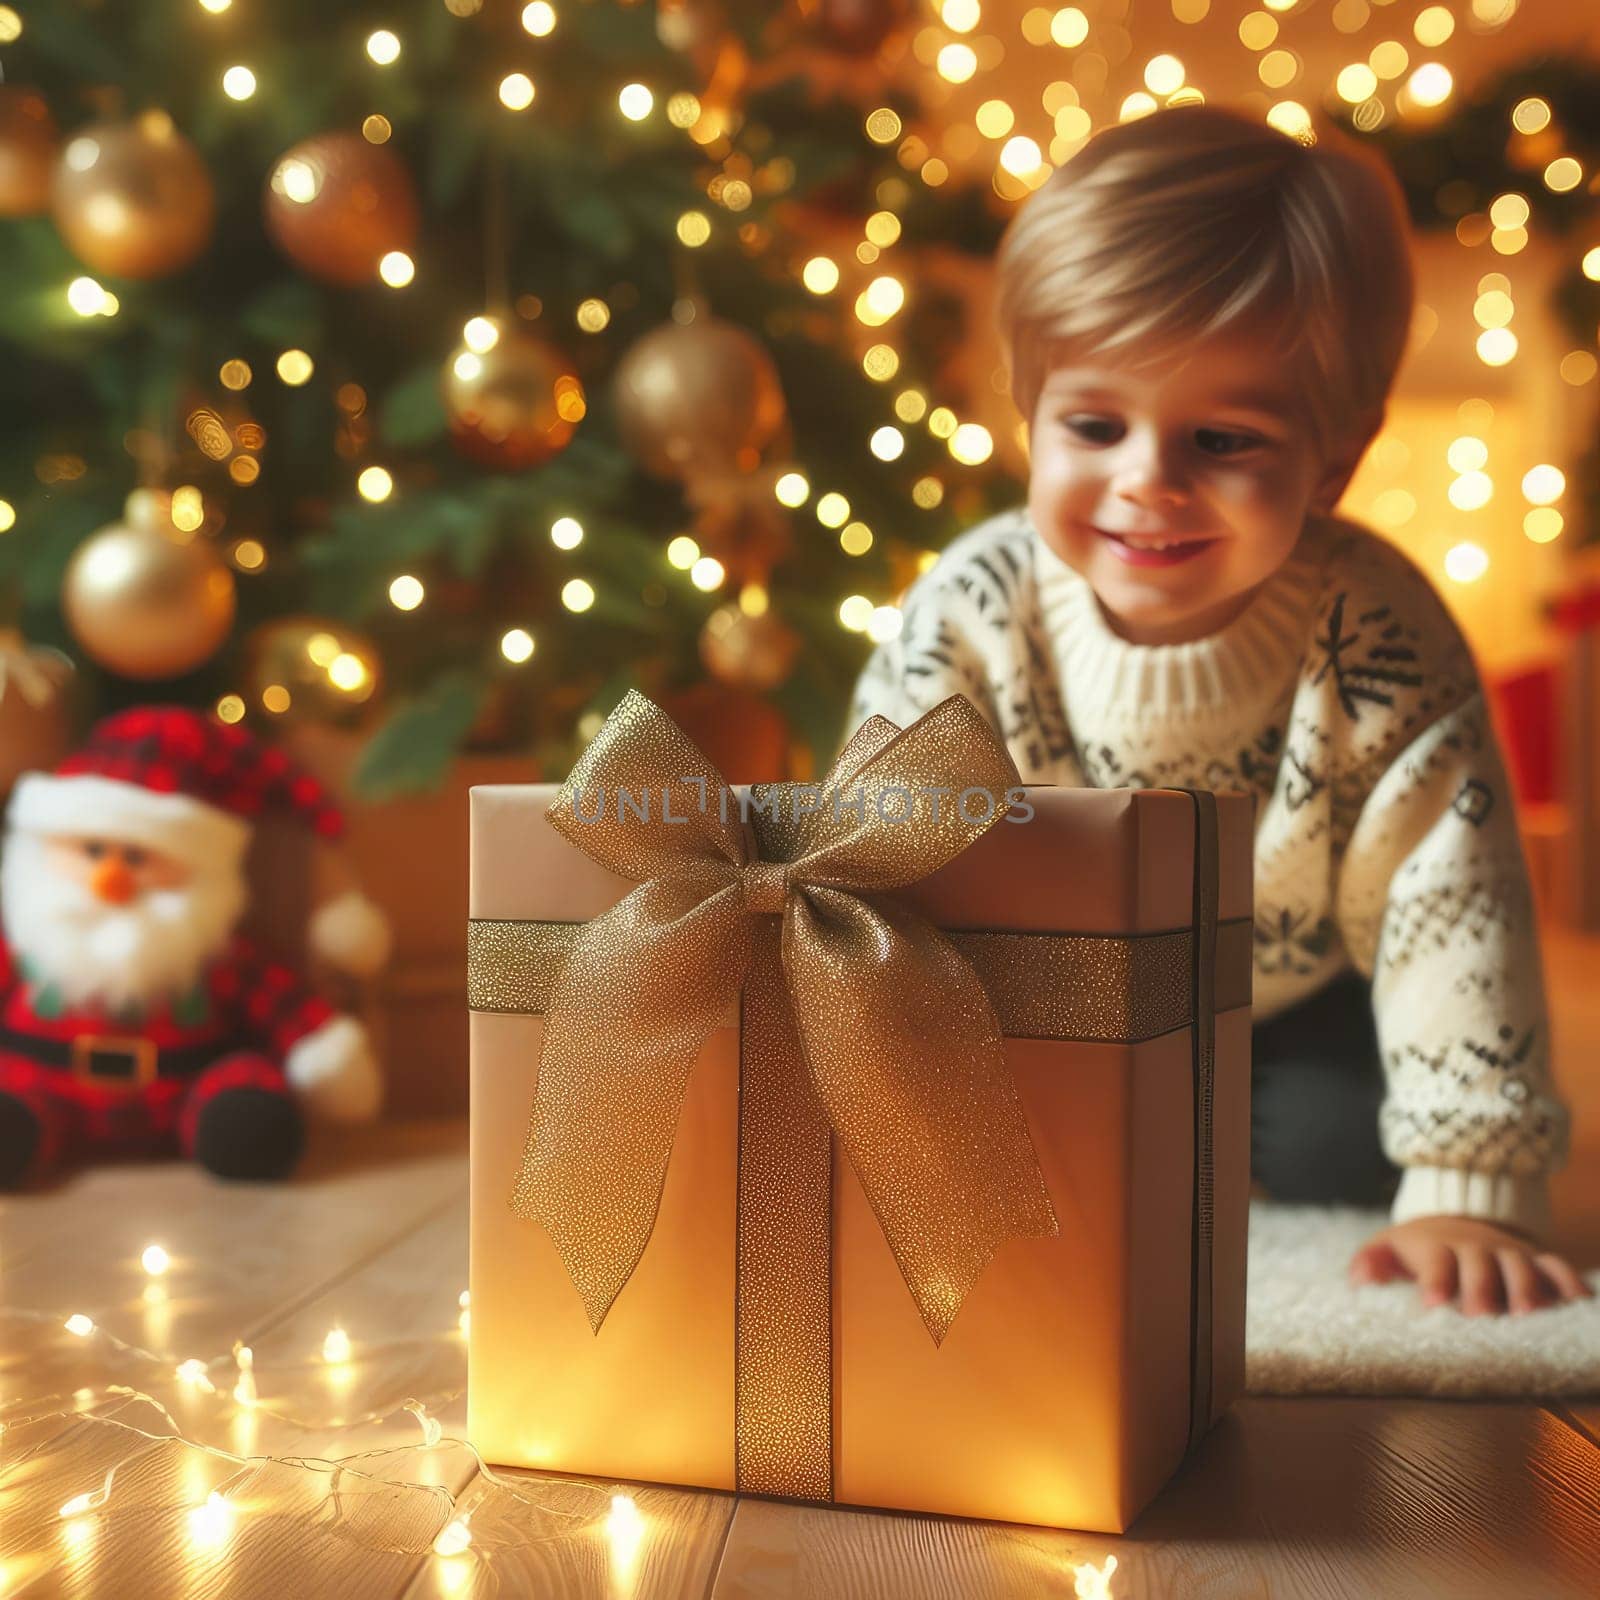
935 655
1435 908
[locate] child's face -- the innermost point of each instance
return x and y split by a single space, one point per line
1206 449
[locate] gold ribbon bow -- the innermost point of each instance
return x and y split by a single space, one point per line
893 1028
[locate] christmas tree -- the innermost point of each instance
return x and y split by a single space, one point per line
445 367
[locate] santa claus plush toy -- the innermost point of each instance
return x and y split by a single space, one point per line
132 1015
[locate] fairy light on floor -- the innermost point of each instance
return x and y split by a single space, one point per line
454 1537
336 1347
244 1387
1090 1582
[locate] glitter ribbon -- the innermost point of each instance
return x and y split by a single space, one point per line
879 1018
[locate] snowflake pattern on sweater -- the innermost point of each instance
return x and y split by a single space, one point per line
1346 698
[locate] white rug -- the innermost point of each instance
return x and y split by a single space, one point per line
1308 1332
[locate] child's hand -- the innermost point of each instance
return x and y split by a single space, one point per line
1490 1268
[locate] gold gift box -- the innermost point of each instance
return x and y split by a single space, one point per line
1081 1367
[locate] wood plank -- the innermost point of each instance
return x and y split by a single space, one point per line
1288 1498
240 1251
559 1538
280 1529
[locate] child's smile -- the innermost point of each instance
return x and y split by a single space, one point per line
1176 484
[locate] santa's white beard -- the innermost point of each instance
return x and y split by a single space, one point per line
111 956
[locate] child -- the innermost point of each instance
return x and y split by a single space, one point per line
1203 318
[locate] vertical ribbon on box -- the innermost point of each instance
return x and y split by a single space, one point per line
859 1018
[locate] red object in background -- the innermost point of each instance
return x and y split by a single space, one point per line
745 737
1526 709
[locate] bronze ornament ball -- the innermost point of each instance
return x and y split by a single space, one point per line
133 199
29 143
699 399
337 205
513 405
749 652
145 600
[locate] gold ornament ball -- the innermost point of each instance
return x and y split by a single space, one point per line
28 145
750 652
699 399
311 669
337 205
513 405
147 601
133 199
35 721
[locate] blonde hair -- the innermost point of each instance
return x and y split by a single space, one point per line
1196 220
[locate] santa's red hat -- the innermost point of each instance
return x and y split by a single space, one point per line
190 785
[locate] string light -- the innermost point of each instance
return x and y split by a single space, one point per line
375 484
577 594
566 533
155 1260
516 645
820 275
855 612
1090 1582
397 269
539 18
238 83
516 91
1543 524
8 516
887 443
1496 346
1471 491
1531 115
79 1324
683 552
1069 27
295 367
89 299
230 708
193 1371
454 1537
1544 484
707 573
1466 562
336 1345
1431 84
1163 74
884 624
1433 26
833 510
956 63
971 444
791 490
635 102
406 592
1467 454
383 47
244 1387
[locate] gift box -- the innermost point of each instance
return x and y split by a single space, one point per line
883 1140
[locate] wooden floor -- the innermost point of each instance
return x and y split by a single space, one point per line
1314 1498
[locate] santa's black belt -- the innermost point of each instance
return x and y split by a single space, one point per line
114 1058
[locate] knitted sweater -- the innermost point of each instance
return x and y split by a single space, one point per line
1346 697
